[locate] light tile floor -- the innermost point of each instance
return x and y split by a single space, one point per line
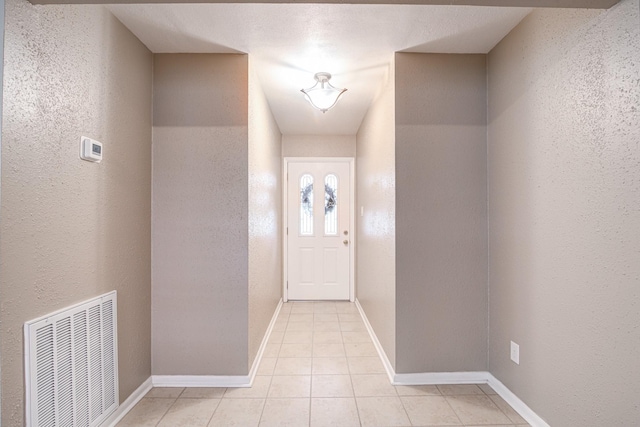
320 368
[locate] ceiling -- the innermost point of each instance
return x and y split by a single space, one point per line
289 43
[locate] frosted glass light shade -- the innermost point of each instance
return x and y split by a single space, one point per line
323 95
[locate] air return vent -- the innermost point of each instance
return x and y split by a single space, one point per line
72 365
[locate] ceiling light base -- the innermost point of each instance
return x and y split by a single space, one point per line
323 95
322 77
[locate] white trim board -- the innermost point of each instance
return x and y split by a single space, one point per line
128 404
263 344
220 380
432 378
376 343
520 407
201 380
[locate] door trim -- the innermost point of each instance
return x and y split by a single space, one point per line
352 219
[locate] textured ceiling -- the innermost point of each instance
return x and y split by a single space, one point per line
288 43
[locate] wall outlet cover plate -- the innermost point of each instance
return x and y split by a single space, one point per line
515 353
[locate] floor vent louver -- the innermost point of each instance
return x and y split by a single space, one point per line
72 365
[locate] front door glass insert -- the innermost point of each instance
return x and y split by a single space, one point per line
306 205
331 205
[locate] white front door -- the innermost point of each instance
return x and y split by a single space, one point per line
318 230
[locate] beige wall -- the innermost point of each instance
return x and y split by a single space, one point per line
441 213
376 192
200 206
265 214
564 209
1 100
72 230
318 146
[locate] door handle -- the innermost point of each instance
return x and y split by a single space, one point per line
346 242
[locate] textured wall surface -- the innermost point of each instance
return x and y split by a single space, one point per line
72 230
265 214
376 192
200 205
564 209
1 98
318 145
441 213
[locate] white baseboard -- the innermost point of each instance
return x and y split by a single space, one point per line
521 408
422 378
128 404
263 344
432 378
201 380
376 343
220 380
194 380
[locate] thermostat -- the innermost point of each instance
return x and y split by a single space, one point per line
90 149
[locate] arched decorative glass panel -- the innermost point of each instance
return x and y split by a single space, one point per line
331 205
306 205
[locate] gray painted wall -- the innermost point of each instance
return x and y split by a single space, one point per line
376 193
318 145
564 210
72 230
441 213
265 214
1 100
200 214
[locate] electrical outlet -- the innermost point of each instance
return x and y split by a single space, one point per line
515 353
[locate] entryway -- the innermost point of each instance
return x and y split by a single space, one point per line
318 241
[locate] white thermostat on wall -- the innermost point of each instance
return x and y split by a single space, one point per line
90 149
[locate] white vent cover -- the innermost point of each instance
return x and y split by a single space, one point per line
71 365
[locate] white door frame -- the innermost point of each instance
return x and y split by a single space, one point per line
352 219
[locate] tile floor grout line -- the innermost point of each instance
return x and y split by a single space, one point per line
311 373
214 411
497 406
453 409
167 411
310 406
404 409
503 411
264 405
355 400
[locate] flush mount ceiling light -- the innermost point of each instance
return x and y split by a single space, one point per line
322 95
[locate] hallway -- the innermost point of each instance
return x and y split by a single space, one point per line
320 368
